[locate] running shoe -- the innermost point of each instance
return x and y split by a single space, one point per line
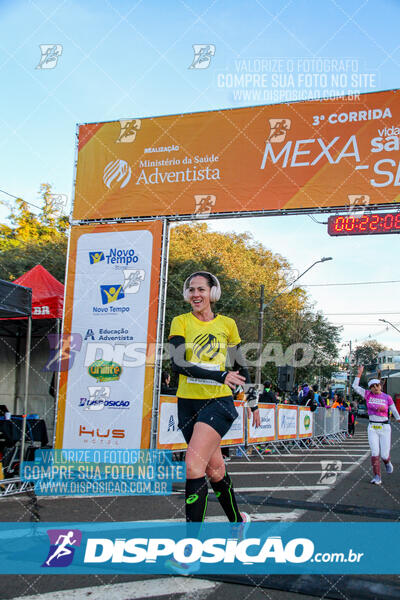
239 530
182 568
389 467
376 480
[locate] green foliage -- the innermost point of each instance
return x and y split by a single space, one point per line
240 263
367 354
242 266
231 303
323 338
33 239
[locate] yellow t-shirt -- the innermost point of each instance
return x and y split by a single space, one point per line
206 344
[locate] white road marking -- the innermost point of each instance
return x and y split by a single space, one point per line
284 488
148 588
278 472
342 449
317 496
258 516
287 462
306 454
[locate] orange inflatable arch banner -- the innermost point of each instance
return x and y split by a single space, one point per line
282 157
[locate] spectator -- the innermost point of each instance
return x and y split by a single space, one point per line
303 391
352 420
309 399
300 393
166 390
323 399
316 395
268 396
335 400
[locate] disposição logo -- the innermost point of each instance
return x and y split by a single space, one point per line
62 547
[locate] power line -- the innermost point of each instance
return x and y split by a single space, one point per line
350 283
12 195
19 198
316 221
379 312
341 323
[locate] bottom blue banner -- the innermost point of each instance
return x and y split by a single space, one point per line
210 548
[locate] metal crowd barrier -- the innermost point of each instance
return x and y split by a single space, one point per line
283 427
329 426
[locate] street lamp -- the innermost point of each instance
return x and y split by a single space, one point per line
350 373
264 306
389 323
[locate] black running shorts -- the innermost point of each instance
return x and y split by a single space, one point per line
219 413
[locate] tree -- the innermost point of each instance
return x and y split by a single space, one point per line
323 339
33 239
367 354
242 265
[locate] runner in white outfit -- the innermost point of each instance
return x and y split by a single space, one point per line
379 405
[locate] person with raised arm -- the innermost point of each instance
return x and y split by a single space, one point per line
379 405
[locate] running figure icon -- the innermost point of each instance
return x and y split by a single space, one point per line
62 542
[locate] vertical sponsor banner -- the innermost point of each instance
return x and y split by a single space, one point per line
286 422
267 431
306 422
110 324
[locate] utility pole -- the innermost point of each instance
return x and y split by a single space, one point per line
260 334
350 374
264 306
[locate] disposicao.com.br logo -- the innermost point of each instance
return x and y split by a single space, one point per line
223 551
209 551
152 548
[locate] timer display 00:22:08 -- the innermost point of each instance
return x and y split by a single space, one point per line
373 223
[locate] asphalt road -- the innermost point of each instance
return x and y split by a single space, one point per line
313 485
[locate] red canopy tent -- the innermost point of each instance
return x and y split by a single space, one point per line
47 312
47 293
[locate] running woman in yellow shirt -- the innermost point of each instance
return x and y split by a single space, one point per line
201 344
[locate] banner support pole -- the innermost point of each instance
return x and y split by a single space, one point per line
162 301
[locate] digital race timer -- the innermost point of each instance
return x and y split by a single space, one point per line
364 224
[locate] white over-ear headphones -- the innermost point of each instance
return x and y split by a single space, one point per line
215 290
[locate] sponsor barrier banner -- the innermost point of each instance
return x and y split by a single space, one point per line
306 421
330 421
168 434
316 153
266 432
280 422
235 435
108 352
170 437
149 548
286 422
